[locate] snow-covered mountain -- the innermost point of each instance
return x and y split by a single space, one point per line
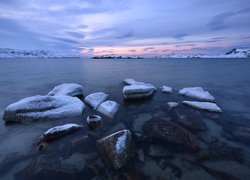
17 53
116 57
239 53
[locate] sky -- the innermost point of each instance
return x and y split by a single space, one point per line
125 27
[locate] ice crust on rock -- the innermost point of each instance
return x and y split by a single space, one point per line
69 89
197 92
209 106
95 99
166 89
138 91
108 108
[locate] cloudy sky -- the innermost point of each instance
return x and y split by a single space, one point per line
144 27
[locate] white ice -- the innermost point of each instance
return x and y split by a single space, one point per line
172 104
197 92
95 99
108 108
69 89
203 105
120 145
133 82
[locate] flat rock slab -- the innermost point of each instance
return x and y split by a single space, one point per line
95 99
197 93
117 148
69 89
208 106
59 131
36 107
170 132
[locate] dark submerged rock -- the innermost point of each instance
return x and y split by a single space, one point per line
163 163
170 132
117 148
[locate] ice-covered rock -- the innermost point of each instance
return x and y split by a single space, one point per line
94 121
138 91
95 99
108 108
172 104
58 131
166 89
70 89
37 107
133 82
203 105
117 148
197 92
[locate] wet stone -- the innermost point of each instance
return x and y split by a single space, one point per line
117 148
163 163
94 121
158 151
170 132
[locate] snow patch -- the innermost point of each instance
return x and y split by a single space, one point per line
108 108
172 104
120 145
65 127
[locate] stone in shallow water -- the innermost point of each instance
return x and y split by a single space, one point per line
197 92
138 91
117 148
208 106
37 107
133 82
59 131
192 121
166 89
70 89
170 132
172 105
94 121
108 108
95 99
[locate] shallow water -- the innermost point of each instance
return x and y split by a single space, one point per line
226 79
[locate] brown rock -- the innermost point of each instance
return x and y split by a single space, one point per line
117 148
170 132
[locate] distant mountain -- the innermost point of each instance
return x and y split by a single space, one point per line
116 57
239 53
17 53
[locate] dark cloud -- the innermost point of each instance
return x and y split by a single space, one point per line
79 35
180 36
66 40
148 48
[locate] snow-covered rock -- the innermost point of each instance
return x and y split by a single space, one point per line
197 92
37 107
133 82
95 99
172 104
108 108
166 89
58 131
203 106
69 89
117 148
138 91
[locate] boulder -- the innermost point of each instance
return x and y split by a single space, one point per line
108 108
37 107
170 132
208 106
59 131
95 99
166 89
70 89
197 93
117 148
94 121
138 91
133 82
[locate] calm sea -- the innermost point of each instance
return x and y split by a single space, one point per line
228 80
